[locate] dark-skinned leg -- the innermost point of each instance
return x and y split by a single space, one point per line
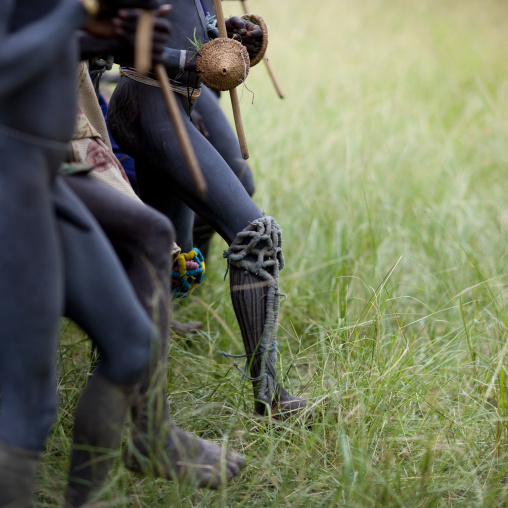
32 299
183 217
143 240
227 206
222 137
40 110
255 258
224 140
101 300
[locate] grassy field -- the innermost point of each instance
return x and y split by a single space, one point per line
387 167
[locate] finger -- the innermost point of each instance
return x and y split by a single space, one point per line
251 48
118 26
127 27
162 26
251 41
163 10
128 14
237 24
255 31
159 39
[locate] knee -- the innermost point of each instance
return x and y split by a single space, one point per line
243 172
129 368
250 187
158 236
139 348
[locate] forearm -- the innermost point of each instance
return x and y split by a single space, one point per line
26 52
176 59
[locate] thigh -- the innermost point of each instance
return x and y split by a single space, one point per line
227 206
155 189
100 298
126 222
223 138
31 294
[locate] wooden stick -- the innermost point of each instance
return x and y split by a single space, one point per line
275 81
143 48
181 133
235 103
269 67
221 22
143 63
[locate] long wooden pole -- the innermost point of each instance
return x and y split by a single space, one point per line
269 67
235 103
181 133
143 59
143 47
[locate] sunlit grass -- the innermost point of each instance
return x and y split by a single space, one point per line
387 167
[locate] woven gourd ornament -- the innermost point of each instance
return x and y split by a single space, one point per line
222 64
258 20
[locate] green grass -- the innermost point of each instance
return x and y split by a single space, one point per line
387 167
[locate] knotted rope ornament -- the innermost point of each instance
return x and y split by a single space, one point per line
257 249
258 20
188 273
222 64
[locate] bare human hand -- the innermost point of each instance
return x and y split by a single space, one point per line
246 32
125 25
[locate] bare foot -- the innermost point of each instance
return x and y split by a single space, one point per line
185 328
187 458
285 406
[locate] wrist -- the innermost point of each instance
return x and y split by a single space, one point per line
175 59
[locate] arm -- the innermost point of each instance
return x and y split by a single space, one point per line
246 32
179 59
24 53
